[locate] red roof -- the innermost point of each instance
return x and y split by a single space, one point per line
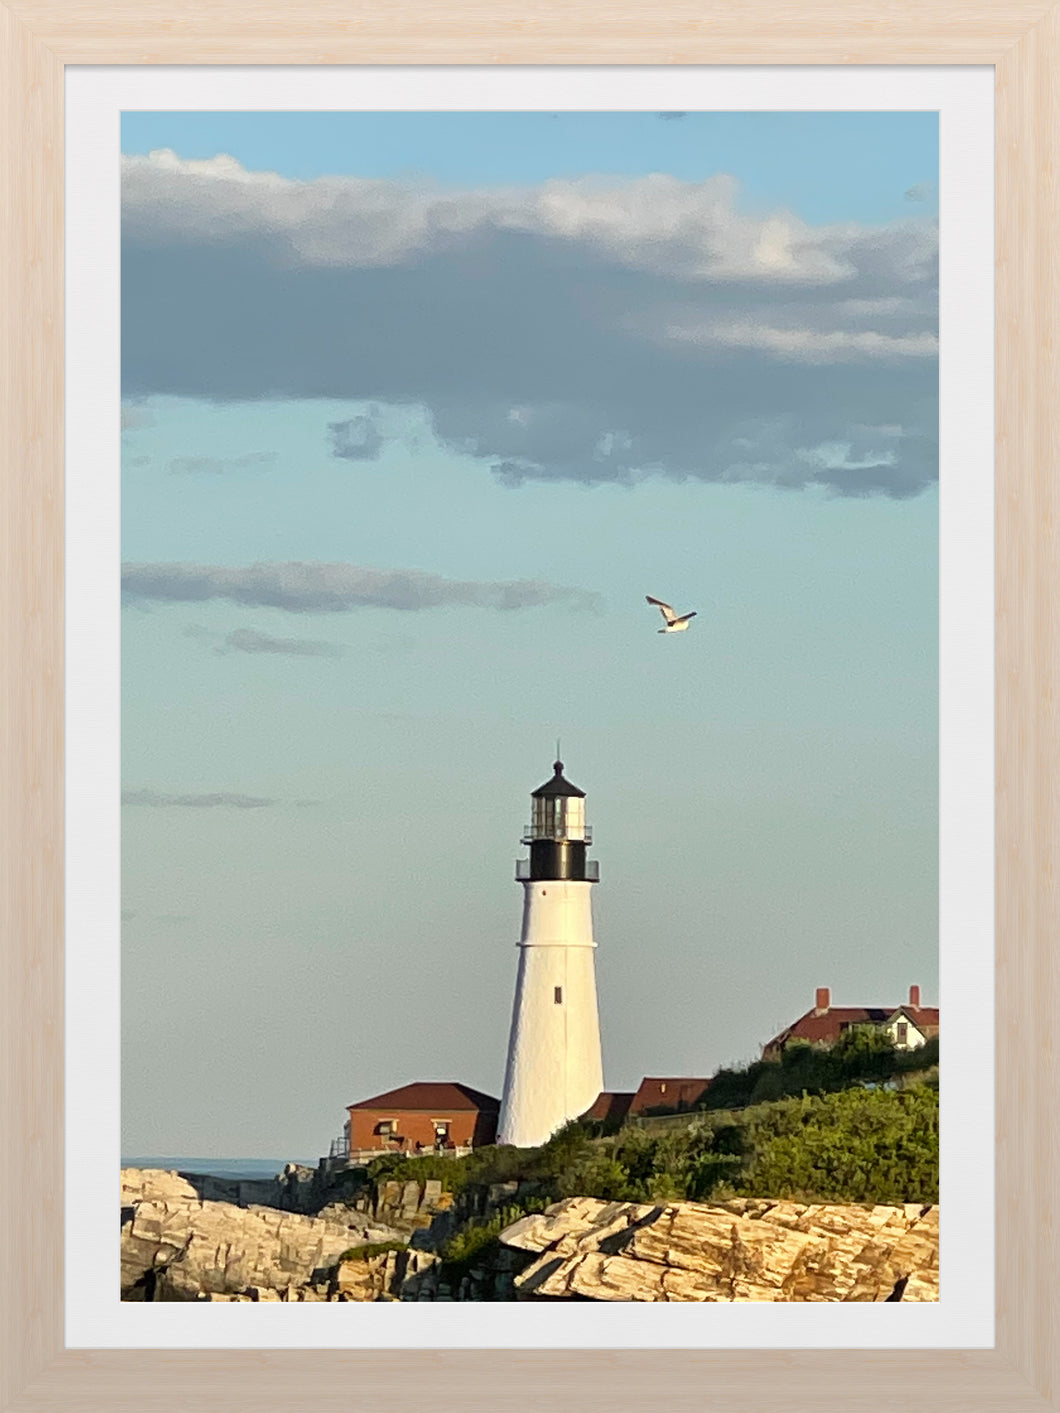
609 1105
830 1024
818 1025
435 1097
667 1094
925 1018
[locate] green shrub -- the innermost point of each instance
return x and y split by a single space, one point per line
855 1146
486 1165
863 1054
473 1242
595 1174
368 1249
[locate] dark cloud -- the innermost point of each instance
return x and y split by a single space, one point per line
248 640
358 439
158 799
334 588
582 331
218 466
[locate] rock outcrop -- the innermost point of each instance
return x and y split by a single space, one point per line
746 1250
177 1246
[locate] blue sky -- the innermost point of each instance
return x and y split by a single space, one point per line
533 369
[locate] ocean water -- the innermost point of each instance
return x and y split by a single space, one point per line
245 1168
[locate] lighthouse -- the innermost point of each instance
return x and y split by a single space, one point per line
554 1069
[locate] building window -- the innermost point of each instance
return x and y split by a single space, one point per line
903 1033
557 995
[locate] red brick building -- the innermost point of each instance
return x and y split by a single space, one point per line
673 1094
909 1025
423 1118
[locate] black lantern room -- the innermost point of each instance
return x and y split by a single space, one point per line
557 833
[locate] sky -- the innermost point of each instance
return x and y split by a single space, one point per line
417 408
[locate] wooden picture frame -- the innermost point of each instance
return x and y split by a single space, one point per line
1021 38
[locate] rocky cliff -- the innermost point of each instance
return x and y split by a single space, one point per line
741 1250
178 1245
175 1245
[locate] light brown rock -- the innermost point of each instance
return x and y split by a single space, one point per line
173 1242
154 1185
737 1251
176 1247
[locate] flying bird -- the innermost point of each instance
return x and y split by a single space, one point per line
674 624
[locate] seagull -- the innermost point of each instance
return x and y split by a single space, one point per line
673 623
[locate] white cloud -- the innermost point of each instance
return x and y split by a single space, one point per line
839 456
809 345
583 330
654 223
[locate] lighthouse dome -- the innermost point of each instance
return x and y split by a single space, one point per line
557 786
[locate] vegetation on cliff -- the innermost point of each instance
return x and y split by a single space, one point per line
854 1145
862 1055
857 1123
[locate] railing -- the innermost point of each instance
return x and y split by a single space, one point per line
361 1157
592 871
574 833
340 1147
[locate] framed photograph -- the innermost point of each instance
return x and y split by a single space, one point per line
606 164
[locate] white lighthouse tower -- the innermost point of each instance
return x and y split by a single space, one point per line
554 1070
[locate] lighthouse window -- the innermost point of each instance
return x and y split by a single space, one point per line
558 994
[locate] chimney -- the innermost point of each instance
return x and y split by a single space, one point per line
914 997
822 1000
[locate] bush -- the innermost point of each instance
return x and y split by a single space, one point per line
483 1166
855 1146
473 1243
595 1174
368 1249
862 1054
